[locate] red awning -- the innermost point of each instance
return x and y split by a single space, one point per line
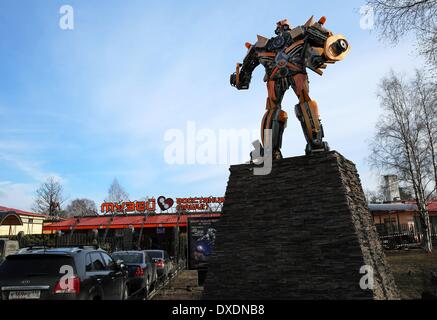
121 222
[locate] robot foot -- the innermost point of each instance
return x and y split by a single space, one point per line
312 149
277 155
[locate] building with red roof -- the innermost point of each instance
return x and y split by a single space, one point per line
127 231
123 222
13 221
398 217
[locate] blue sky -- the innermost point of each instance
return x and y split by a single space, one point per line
92 104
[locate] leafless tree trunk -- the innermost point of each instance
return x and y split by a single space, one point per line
426 97
396 18
81 207
116 193
401 144
49 198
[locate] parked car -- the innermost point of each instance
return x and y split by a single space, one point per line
141 269
84 273
163 263
7 247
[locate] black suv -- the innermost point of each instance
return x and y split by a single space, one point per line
84 273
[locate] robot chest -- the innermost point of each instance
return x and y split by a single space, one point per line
279 64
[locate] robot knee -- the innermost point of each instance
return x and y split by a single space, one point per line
283 117
314 109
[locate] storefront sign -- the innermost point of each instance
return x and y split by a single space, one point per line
122 207
165 204
197 204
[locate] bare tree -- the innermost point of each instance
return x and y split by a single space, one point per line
425 95
396 18
406 193
116 193
401 144
378 195
373 196
81 207
49 198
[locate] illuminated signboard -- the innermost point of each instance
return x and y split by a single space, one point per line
165 204
130 206
198 204
201 241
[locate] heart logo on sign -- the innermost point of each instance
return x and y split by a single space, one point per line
165 203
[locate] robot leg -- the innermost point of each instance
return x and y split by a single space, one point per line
276 121
279 123
307 114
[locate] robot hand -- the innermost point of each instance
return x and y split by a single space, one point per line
233 79
317 61
242 84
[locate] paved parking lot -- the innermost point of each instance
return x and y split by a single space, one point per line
183 287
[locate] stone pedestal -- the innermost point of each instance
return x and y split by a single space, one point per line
302 232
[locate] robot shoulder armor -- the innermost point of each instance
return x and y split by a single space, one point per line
297 33
262 42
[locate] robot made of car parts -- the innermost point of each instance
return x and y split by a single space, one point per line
286 58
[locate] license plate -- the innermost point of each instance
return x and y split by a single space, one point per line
24 295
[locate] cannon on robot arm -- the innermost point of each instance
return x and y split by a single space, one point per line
322 47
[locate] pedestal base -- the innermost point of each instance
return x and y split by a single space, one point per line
302 232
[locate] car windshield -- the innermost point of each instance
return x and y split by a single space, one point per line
155 254
35 265
128 257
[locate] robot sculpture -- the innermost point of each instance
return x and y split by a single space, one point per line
286 58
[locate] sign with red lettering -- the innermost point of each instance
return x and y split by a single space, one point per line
127 207
212 204
198 204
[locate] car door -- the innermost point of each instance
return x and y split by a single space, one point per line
99 275
115 276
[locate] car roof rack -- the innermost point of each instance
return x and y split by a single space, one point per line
73 247
79 246
30 248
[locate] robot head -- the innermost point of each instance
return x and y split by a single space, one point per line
282 26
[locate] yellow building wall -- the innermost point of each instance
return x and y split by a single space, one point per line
405 218
31 225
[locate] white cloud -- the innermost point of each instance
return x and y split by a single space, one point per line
31 168
17 195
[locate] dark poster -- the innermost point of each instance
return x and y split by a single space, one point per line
201 238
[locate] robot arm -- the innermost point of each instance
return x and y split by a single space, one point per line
322 47
243 74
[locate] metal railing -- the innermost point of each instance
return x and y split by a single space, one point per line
395 236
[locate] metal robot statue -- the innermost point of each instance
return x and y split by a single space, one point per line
286 58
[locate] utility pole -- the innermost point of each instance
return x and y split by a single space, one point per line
179 212
141 230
